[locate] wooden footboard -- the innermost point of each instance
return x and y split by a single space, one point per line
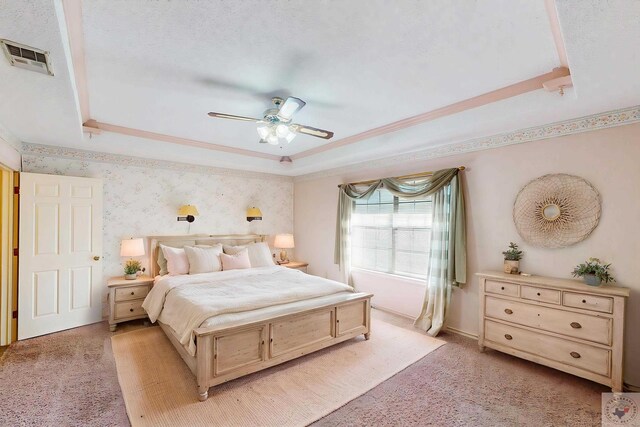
224 354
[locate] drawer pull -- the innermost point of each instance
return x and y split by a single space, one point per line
576 325
584 301
131 310
509 337
502 288
575 355
508 311
538 294
133 293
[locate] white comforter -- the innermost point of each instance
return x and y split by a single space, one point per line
185 302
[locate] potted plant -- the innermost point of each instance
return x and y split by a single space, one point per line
131 268
512 257
593 272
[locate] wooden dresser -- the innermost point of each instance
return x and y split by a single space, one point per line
560 323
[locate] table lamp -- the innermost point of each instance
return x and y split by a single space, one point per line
284 242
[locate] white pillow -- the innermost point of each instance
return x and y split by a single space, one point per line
236 261
259 253
203 259
177 261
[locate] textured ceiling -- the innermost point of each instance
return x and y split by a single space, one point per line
33 106
160 66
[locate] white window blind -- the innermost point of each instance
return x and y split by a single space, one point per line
391 234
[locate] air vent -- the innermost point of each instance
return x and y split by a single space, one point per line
26 57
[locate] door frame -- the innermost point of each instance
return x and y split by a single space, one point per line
8 256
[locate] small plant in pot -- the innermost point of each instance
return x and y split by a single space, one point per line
512 257
593 272
131 268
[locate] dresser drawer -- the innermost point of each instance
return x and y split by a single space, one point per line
128 309
583 356
132 292
501 288
588 302
550 296
577 325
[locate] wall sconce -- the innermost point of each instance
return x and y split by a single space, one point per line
254 214
187 213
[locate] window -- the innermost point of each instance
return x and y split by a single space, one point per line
391 234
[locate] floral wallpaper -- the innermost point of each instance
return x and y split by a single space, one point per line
142 201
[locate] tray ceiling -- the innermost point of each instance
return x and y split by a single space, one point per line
160 66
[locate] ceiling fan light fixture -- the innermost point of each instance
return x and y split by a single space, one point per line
282 131
272 139
263 130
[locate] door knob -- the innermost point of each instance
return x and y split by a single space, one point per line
96 258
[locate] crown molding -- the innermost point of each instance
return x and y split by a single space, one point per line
10 139
35 150
608 119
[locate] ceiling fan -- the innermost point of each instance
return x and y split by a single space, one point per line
275 127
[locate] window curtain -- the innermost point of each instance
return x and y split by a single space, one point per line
342 252
447 260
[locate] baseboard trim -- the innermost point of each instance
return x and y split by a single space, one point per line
396 313
461 332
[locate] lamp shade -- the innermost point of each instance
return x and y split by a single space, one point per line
254 213
284 241
187 210
132 247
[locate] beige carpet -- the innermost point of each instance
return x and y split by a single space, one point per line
159 389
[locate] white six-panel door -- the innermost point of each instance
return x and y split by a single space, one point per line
60 256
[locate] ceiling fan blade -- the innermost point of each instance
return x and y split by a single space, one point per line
232 117
290 107
308 130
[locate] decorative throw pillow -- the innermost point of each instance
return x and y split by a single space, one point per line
203 259
259 253
237 261
162 261
177 261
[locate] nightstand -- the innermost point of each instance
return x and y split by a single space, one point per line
298 265
125 299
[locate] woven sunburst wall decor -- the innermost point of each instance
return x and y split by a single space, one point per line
555 211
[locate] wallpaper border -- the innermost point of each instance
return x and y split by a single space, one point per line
604 120
29 149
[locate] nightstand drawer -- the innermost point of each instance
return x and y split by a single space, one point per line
133 292
129 309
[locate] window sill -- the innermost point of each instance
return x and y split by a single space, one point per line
412 280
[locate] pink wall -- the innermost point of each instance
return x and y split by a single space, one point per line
608 158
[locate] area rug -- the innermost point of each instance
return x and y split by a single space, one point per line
160 390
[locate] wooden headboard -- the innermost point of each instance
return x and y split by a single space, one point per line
153 243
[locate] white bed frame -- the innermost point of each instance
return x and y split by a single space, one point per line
238 349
